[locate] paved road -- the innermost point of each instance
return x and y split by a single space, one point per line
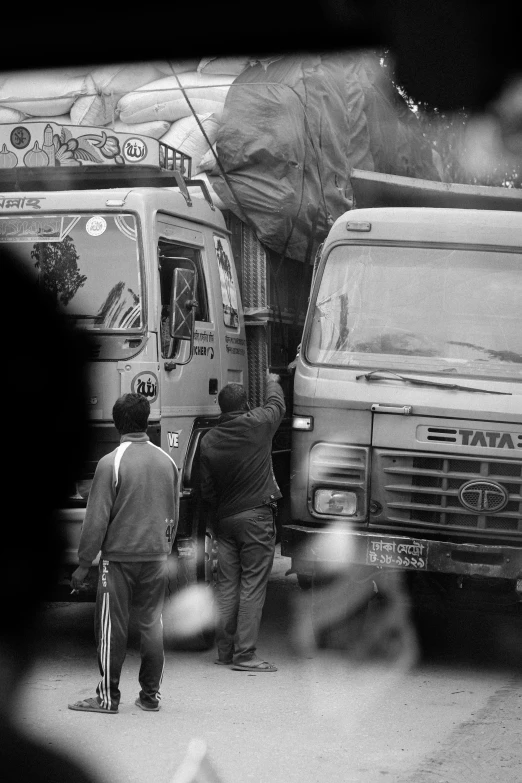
454 716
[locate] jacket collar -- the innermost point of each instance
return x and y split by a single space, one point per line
230 416
135 437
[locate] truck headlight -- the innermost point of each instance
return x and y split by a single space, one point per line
335 502
338 479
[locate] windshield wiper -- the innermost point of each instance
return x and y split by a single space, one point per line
384 375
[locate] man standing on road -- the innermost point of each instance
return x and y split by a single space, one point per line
131 516
238 480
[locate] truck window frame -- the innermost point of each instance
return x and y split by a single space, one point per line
464 246
168 346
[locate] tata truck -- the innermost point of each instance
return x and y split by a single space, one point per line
407 420
174 295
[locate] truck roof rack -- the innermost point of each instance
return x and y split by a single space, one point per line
373 189
49 156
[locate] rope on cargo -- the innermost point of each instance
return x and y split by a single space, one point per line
240 207
220 165
229 185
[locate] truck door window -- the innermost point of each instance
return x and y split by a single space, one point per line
169 254
228 284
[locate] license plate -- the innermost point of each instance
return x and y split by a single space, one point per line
397 553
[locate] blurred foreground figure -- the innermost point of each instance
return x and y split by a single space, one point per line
238 480
196 767
132 517
45 434
361 613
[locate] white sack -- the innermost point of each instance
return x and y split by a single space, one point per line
163 99
154 129
177 66
213 195
61 119
232 66
45 93
111 82
208 161
185 135
11 115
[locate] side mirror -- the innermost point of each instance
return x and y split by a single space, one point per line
182 306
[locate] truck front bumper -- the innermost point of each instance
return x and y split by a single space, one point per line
312 549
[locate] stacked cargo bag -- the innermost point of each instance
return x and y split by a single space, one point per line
164 100
109 84
62 119
216 200
224 66
11 115
186 135
208 162
154 129
47 93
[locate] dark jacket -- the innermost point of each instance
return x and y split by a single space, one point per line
132 511
236 457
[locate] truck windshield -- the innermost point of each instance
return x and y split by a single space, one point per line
421 308
89 263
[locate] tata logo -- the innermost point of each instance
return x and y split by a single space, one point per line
495 440
483 496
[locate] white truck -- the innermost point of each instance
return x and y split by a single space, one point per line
175 296
407 426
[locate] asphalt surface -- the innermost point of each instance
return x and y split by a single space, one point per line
445 709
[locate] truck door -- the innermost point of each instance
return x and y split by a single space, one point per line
188 390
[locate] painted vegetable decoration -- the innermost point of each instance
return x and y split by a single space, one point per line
8 159
36 157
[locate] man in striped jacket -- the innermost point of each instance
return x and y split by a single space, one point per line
131 516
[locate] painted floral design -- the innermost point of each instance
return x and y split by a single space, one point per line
109 147
89 148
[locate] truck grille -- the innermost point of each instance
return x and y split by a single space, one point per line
338 464
422 490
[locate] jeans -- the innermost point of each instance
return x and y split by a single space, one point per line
246 546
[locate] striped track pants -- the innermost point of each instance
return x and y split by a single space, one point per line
122 586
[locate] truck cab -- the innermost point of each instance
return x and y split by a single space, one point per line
407 438
134 253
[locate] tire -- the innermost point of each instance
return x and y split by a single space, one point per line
200 569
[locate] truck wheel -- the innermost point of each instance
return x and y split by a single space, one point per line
200 569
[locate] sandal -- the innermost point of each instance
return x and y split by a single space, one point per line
254 666
146 707
91 705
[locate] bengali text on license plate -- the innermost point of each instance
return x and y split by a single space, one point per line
396 553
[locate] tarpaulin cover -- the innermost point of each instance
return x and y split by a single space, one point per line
291 133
